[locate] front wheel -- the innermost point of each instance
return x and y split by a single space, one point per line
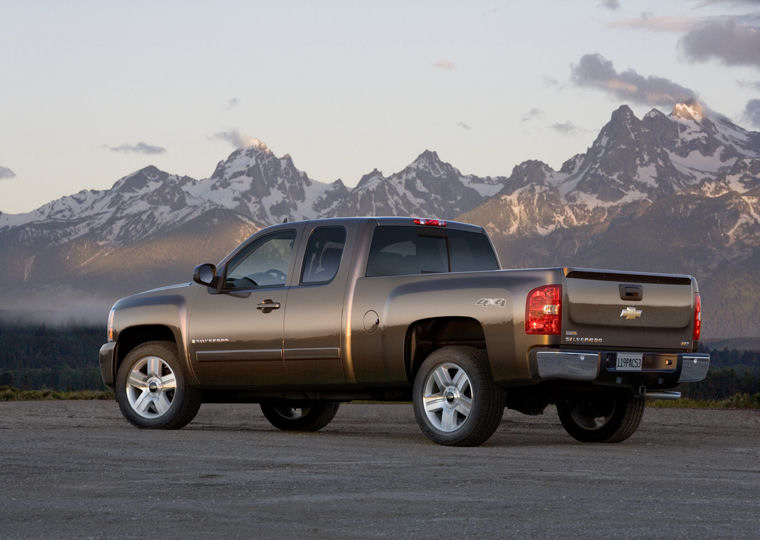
151 389
608 418
299 415
456 401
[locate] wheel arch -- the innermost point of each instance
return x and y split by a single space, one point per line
427 335
131 337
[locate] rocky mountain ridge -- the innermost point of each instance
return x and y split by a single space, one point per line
677 192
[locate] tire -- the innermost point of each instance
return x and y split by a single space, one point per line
456 401
299 415
609 418
151 388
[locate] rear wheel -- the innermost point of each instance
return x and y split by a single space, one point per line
299 415
608 418
151 389
456 402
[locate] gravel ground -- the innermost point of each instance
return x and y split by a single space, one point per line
78 469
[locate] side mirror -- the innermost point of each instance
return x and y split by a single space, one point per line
205 274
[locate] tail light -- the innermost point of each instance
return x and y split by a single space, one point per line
697 317
543 311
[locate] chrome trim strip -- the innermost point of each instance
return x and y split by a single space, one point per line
312 353
245 355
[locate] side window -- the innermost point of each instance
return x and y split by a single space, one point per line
399 251
262 264
323 254
471 252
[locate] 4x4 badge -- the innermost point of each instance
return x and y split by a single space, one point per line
491 302
630 313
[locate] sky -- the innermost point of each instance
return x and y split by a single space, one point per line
91 91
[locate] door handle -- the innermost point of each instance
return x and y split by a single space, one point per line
268 305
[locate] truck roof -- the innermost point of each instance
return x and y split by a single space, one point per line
401 221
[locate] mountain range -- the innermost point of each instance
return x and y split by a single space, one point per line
672 193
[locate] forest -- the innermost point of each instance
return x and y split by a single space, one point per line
36 357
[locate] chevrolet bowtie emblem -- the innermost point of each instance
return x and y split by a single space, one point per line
630 313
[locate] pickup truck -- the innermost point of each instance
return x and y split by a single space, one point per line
305 315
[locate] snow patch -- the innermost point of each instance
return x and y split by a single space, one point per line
695 161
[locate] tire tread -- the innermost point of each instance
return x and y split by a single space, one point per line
492 401
190 398
629 410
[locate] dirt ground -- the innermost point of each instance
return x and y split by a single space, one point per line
78 469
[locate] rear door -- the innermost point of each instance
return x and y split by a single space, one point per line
628 310
314 314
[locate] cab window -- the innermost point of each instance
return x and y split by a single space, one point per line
471 252
398 250
264 263
323 254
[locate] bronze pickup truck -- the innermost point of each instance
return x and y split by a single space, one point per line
303 316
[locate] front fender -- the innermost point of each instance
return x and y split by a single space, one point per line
143 318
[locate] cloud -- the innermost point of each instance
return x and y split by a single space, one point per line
566 128
658 24
463 126
5 172
752 112
710 2
752 85
596 71
610 4
731 43
232 103
531 115
139 148
238 140
448 65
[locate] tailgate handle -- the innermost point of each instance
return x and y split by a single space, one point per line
631 292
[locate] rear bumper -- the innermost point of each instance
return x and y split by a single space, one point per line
107 353
658 370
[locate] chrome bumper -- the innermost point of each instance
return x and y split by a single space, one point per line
693 367
589 365
575 366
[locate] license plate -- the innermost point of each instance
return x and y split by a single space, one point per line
629 361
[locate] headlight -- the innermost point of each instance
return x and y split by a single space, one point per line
110 324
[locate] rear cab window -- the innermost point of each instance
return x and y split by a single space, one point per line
323 255
402 250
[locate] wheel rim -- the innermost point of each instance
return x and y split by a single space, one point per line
593 415
151 387
291 413
447 397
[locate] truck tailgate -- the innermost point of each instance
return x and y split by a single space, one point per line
628 310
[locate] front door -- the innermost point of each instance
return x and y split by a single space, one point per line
236 333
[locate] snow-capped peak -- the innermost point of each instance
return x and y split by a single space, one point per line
258 144
689 111
426 158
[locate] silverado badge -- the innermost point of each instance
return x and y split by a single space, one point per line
630 313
